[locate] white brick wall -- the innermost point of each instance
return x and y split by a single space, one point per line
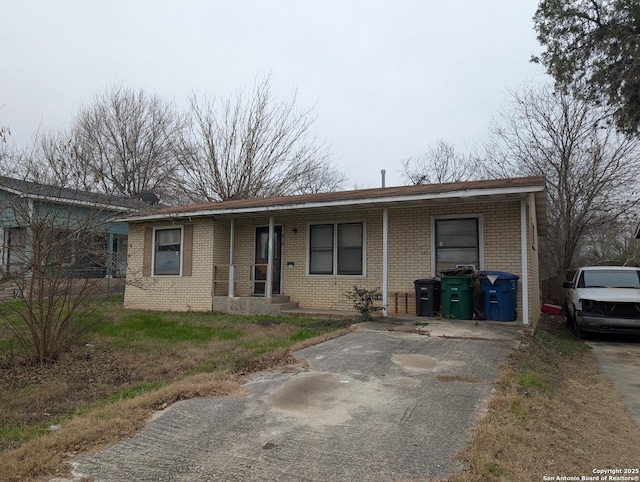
187 293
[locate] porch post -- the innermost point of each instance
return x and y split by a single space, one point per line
268 288
109 268
232 268
385 261
525 267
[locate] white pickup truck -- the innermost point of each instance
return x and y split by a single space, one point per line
604 299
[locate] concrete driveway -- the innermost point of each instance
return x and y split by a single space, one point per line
386 402
619 360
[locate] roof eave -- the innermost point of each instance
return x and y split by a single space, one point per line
461 194
77 202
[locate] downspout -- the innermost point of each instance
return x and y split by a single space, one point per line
268 289
385 261
232 268
525 265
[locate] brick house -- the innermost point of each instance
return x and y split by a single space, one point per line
218 256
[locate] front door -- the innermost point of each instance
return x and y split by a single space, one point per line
262 253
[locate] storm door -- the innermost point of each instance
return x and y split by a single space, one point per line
261 259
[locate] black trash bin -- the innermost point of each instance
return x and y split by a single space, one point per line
427 297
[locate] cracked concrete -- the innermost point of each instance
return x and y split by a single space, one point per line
390 401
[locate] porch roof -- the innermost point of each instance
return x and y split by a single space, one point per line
494 190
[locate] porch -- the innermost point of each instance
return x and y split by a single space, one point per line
247 295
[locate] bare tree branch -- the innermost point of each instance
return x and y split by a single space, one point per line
439 164
55 256
125 142
252 147
592 171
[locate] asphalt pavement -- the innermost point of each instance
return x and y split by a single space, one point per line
385 402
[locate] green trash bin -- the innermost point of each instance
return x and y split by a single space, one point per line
457 297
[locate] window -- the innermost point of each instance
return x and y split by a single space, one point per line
336 249
456 243
321 249
17 253
350 249
167 248
159 259
120 248
610 278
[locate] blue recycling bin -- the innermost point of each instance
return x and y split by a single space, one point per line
500 293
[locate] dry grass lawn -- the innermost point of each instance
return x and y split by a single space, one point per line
135 363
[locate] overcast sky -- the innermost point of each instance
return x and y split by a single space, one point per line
388 78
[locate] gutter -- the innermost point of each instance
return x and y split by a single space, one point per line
76 202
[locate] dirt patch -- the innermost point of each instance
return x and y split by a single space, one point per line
320 399
79 378
414 362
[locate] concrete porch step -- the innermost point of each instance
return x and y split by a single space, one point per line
9 291
275 299
253 305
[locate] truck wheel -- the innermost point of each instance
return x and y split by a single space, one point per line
580 334
569 319
572 324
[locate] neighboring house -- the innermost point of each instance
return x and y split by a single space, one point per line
25 204
218 256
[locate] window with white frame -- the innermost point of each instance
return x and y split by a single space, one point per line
457 243
336 249
167 250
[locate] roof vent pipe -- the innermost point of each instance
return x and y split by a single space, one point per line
383 172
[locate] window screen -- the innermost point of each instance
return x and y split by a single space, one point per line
350 248
336 249
457 243
321 249
167 251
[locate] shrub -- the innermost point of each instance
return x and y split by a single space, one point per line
364 300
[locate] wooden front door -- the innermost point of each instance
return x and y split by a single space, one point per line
261 259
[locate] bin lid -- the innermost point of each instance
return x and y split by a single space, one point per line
458 272
426 281
495 275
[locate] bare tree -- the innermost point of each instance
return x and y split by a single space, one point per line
4 132
54 159
123 143
439 164
7 163
323 177
613 244
591 170
54 257
248 147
